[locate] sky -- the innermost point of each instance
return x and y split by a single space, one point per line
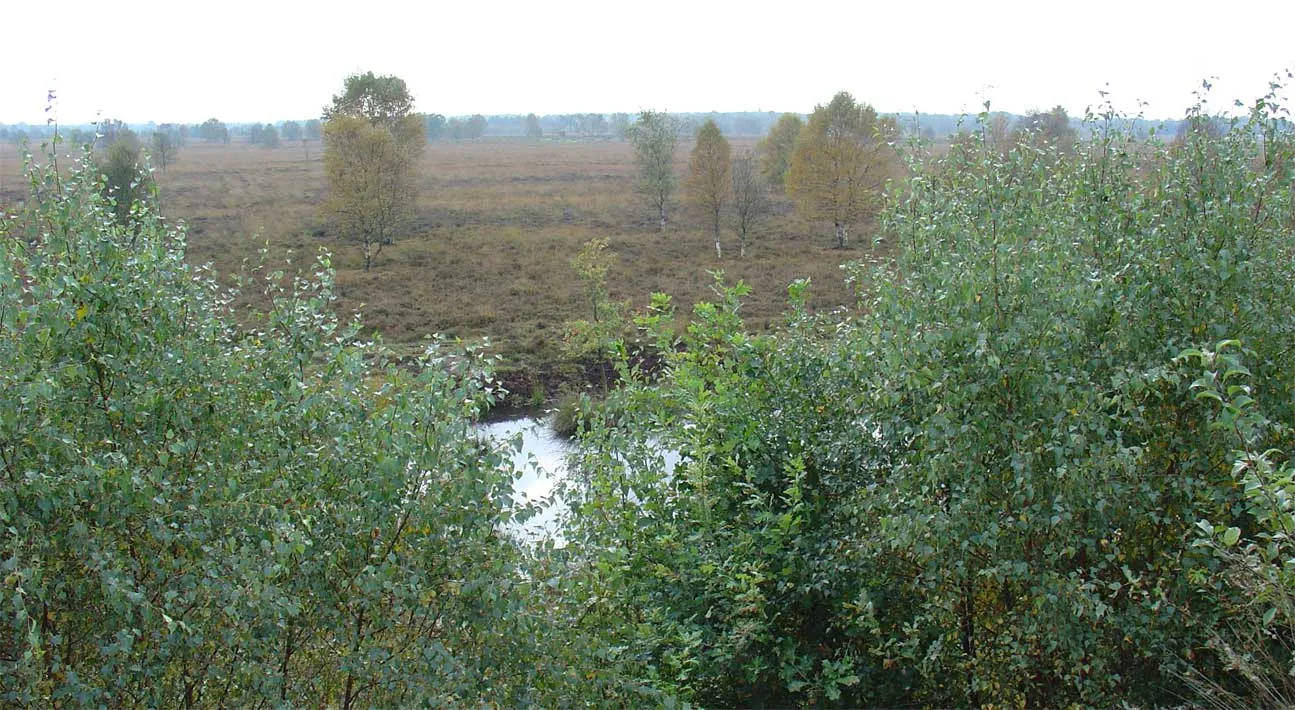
270 60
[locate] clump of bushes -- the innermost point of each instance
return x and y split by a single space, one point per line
985 486
204 510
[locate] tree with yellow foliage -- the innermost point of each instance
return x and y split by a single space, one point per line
776 148
372 143
842 161
708 177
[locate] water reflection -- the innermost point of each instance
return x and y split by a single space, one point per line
542 461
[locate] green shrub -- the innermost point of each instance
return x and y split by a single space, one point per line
195 512
982 487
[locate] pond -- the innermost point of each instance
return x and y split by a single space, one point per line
541 462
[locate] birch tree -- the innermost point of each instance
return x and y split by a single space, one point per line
654 137
371 148
841 163
777 147
750 197
533 128
708 177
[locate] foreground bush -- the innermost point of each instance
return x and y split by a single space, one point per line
984 486
198 513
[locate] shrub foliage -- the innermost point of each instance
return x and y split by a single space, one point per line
200 510
986 484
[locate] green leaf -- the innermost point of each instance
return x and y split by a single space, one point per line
1231 536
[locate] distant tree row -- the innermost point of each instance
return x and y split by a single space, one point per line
1002 127
1037 128
264 135
437 127
213 131
583 125
615 125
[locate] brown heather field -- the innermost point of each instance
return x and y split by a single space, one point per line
488 251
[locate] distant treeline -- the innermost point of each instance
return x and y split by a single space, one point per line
610 126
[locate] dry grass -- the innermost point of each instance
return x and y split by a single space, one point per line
489 248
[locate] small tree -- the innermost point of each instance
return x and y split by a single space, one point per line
620 125
654 136
596 338
178 133
591 265
269 136
433 126
841 163
750 197
370 159
370 182
1051 128
709 177
997 131
213 131
125 181
475 127
164 149
533 129
776 148
314 129
112 130
291 131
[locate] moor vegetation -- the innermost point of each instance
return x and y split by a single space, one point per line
488 243
1038 458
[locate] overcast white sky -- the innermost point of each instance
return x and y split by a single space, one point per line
175 60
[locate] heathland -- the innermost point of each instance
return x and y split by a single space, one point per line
487 252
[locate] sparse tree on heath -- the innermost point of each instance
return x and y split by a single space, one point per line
1051 128
841 163
292 132
214 131
164 148
433 125
125 179
708 177
620 123
371 152
750 197
998 132
777 147
270 136
475 127
533 129
111 130
654 137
